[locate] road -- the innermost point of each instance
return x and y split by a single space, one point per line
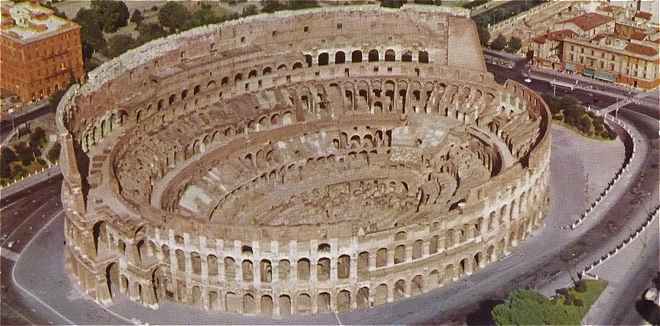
7 124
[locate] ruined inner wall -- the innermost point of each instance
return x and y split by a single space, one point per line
322 160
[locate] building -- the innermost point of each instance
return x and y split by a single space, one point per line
612 44
299 162
41 53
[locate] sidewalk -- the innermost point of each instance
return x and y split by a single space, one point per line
27 110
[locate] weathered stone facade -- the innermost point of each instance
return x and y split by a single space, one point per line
322 160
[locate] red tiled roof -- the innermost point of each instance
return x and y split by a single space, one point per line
555 36
644 15
641 49
589 21
637 35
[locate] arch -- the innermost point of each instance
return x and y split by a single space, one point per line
343 267
232 302
248 270
380 296
112 279
434 278
323 270
390 55
284 302
381 257
249 306
252 73
434 244
264 72
423 57
196 91
417 249
238 78
180 260
266 271
283 270
225 81
356 56
212 262
281 67
399 254
340 57
363 264
323 302
406 56
101 237
196 295
399 289
230 268
308 60
324 58
266 305
363 298
196 263
323 247
297 65
213 300
450 271
417 285
303 268
343 301
304 303
373 55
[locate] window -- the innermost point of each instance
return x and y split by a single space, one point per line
306 29
339 26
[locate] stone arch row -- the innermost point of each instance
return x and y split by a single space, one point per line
325 58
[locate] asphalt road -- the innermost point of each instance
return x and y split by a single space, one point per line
6 125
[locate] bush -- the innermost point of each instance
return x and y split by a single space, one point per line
119 44
499 43
7 157
174 16
53 154
513 45
137 17
578 302
581 286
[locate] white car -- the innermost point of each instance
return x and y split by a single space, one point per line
527 80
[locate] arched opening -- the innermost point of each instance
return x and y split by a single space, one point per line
297 65
252 74
323 302
266 305
308 60
434 278
238 78
180 260
267 71
340 57
248 304
232 302
284 269
230 268
363 264
303 269
417 249
212 262
324 248
344 301
323 270
423 57
356 56
196 263
248 271
112 279
381 257
406 57
343 267
284 301
363 298
304 303
196 295
323 59
417 285
380 297
433 244
399 289
399 254
373 55
390 55
266 270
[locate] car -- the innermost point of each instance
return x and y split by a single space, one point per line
527 80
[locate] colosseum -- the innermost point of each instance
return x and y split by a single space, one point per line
322 160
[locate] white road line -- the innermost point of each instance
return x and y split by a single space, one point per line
24 221
4 252
19 313
337 317
13 273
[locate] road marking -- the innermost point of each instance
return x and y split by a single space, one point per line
18 285
24 221
337 317
4 252
18 313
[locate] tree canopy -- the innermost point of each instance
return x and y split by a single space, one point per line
526 307
513 45
119 44
499 43
137 17
111 14
91 33
174 16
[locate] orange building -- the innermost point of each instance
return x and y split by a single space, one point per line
40 53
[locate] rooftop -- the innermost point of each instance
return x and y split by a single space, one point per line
28 21
641 49
644 15
589 21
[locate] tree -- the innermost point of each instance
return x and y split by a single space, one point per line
137 17
484 35
297 4
250 10
499 43
38 138
112 14
150 31
54 153
392 3
119 44
7 156
203 16
90 31
24 153
513 45
527 307
271 6
174 16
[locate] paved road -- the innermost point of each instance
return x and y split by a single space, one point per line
6 125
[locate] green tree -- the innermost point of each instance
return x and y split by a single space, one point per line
112 14
484 35
513 45
90 31
24 153
150 31
137 17
7 156
203 16
298 4
54 152
38 138
250 10
270 6
392 3
119 44
174 16
499 43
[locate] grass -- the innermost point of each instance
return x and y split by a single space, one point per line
594 289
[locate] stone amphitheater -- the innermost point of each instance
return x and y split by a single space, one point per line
322 160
